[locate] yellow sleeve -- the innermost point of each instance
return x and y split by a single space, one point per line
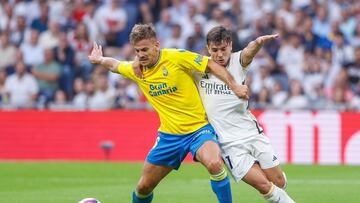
125 68
190 60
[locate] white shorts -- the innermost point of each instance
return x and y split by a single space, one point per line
240 155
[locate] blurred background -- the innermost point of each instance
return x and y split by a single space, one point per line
56 106
315 64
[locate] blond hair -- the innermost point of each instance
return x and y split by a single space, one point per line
142 31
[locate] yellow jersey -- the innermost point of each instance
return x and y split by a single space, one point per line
170 89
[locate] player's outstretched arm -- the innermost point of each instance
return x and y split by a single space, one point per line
96 57
253 47
220 72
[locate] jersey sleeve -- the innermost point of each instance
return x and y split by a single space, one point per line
125 68
190 60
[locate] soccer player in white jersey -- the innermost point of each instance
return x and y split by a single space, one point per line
245 149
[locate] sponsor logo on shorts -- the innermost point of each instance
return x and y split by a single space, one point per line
204 132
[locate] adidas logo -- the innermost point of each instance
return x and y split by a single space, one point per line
274 158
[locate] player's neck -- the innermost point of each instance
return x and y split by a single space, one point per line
156 61
227 64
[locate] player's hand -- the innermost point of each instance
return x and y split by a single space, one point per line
96 54
137 68
242 91
266 38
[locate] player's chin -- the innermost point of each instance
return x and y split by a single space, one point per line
144 63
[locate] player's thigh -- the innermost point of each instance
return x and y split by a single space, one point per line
209 155
207 151
257 178
238 160
263 152
152 175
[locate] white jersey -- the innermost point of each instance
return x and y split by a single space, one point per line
228 114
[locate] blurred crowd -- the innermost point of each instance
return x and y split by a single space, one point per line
314 64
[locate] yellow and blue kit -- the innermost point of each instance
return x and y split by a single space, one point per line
169 87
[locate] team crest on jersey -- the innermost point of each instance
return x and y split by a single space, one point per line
165 71
198 59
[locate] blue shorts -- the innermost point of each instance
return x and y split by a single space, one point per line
171 149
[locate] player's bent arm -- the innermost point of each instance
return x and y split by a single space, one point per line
96 57
220 72
249 52
110 63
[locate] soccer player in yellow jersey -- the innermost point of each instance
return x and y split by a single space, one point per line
165 77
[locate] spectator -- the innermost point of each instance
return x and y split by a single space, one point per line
263 99
164 26
57 9
40 24
7 51
291 56
50 37
176 39
217 16
80 42
21 88
278 96
66 20
80 96
287 13
65 55
6 14
129 96
348 23
187 23
355 41
3 95
309 39
47 75
352 71
112 20
341 54
178 11
297 99
20 32
227 23
78 10
91 24
104 96
195 42
32 51
322 25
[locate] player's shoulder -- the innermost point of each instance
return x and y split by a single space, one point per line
235 58
236 54
172 52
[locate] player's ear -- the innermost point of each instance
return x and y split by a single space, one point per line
231 45
157 44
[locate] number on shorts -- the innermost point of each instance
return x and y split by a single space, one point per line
229 161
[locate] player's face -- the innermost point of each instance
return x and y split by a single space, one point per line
220 52
147 50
